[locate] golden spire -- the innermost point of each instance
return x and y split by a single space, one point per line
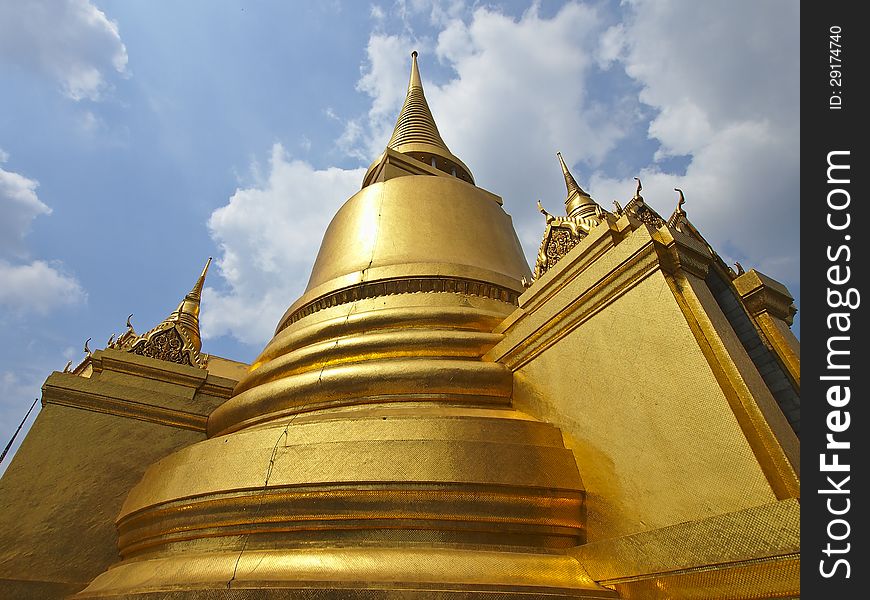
578 202
195 294
570 183
416 134
177 337
187 313
415 124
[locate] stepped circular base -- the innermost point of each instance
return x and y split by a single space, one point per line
393 499
363 573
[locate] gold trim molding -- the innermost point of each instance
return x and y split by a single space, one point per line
402 285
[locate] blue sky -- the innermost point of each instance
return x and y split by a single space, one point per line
138 138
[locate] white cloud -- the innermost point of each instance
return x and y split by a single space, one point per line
732 105
90 123
520 94
71 41
386 82
437 12
611 45
34 286
736 187
19 205
377 13
269 235
37 287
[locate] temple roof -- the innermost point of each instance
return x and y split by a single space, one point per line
176 338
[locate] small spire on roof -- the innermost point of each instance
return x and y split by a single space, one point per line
176 338
578 202
570 182
196 292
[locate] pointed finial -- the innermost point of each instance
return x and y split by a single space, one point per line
618 207
111 341
68 365
544 212
680 203
87 350
415 73
129 324
196 292
740 270
639 188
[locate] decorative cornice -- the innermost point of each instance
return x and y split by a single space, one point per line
760 294
680 251
111 360
766 531
560 236
402 285
641 211
743 551
122 399
94 402
216 388
597 242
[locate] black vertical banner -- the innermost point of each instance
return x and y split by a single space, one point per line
835 357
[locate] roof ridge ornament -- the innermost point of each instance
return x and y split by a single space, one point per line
679 216
639 209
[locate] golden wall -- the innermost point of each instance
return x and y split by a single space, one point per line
95 435
663 432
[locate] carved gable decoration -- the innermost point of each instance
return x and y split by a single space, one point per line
642 211
558 241
166 345
176 339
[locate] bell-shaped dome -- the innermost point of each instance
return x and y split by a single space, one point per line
370 450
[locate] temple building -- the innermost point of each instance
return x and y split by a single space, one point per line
435 419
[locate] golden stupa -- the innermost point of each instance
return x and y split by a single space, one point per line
431 420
